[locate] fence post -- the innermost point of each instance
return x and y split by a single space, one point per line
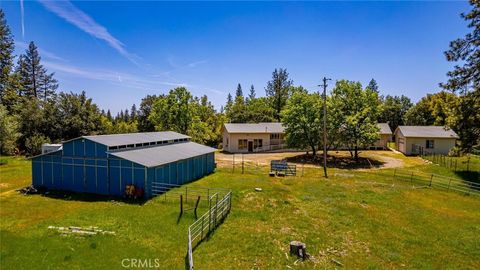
394 172
216 210
450 181
201 232
181 204
431 179
243 166
209 213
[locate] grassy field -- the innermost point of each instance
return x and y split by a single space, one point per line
355 219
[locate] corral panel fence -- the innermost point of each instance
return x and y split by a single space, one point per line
437 181
208 222
218 201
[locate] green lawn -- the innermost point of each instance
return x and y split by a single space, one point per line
355 218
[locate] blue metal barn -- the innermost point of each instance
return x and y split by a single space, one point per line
106 164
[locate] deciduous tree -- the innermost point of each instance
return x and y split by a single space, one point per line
357 110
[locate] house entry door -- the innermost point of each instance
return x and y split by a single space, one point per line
250 146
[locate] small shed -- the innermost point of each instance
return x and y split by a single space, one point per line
385 135
106 164
416 140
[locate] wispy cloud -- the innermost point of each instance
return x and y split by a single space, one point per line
80 19
43 53
117 78
194 64
22 15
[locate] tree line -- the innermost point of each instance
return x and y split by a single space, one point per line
33 111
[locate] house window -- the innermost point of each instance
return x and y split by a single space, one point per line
257 143
429 144
242 144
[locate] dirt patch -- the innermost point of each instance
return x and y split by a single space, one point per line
336 159
260 159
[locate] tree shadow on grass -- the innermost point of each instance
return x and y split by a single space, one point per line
472 177
87 197
336 162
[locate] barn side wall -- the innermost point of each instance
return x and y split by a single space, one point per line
81 166
180 172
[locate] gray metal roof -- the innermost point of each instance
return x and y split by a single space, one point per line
133 138
164 154
384 128
427 132
254 128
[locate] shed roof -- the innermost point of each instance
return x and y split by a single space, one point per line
427 132
133 138
164 154
384 128
254 128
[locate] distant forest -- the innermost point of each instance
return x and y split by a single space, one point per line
33 110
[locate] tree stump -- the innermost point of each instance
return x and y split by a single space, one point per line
299 249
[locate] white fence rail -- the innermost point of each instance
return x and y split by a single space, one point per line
219 207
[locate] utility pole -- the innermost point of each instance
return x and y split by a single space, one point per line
324 85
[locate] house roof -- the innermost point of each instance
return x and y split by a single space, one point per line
427 132
133 138
384 128
164 154
254 128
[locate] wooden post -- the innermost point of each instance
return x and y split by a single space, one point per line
181 204
299 249
242 165
431 179
196 206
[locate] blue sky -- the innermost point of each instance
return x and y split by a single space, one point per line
118 52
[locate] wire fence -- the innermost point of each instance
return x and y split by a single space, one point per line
467 163
242 166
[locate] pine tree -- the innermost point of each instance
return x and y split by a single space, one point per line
372 85
466 51
6 53
126 116
278 90
109 115
239 92
34 78
229 99
133 113
251 95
